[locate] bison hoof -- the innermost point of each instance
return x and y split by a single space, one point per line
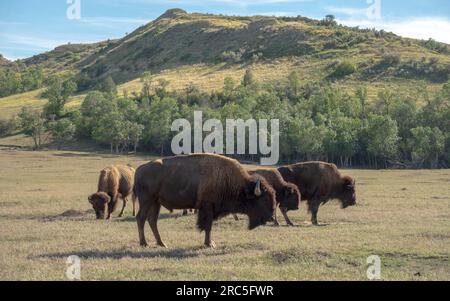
144 244
211 245
163 245
291 225
276 224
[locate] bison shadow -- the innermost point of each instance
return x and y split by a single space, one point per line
119 254
162 216
177 253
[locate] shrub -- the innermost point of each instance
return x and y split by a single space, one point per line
391 59
343 69
7 127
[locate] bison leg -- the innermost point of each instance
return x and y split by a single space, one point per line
314 208
274 217
123 206
153 222
144 206
141 218
133 199
286 217
236 218
185 212
204 223
112 204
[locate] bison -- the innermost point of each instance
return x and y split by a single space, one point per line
319 182
114 182
287 194
213 184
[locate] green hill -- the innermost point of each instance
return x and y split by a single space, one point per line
177 39
65 57
204 49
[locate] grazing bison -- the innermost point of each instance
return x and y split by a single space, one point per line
213 184
319 182
287 194
114 182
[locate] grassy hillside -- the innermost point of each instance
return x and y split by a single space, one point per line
178 39
65 57
204 49
4 63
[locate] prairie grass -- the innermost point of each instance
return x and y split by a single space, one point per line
401 216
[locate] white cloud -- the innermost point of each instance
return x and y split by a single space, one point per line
37 43
418 28
20 42
109 22
241 3
277 14
349 11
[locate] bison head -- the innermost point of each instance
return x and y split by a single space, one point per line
348 192
258 202
289 197
99 202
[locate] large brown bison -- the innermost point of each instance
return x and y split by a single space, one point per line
318 183
213 184
114 182
287 194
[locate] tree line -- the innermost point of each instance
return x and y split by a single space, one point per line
317 121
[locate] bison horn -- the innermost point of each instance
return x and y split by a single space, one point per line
258 188
292 190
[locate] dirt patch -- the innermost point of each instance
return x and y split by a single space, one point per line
71 215
9 204
296 256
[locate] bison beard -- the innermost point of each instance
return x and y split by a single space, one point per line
215 185
318 183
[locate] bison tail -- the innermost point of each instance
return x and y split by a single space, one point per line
134 195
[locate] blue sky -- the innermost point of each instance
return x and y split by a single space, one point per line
29 27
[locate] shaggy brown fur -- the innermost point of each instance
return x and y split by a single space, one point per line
287 194
114 182
215 185
320 182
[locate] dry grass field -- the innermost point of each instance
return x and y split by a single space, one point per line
402 216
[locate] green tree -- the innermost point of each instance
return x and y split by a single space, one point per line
134 133
306 137
248 78
228 86
294 83
346 131
158 121
427 145
343 69
109 86
361 94
62 131
111 129
58 93
147 81
32 123
93 108
385 101
383 138
329 20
